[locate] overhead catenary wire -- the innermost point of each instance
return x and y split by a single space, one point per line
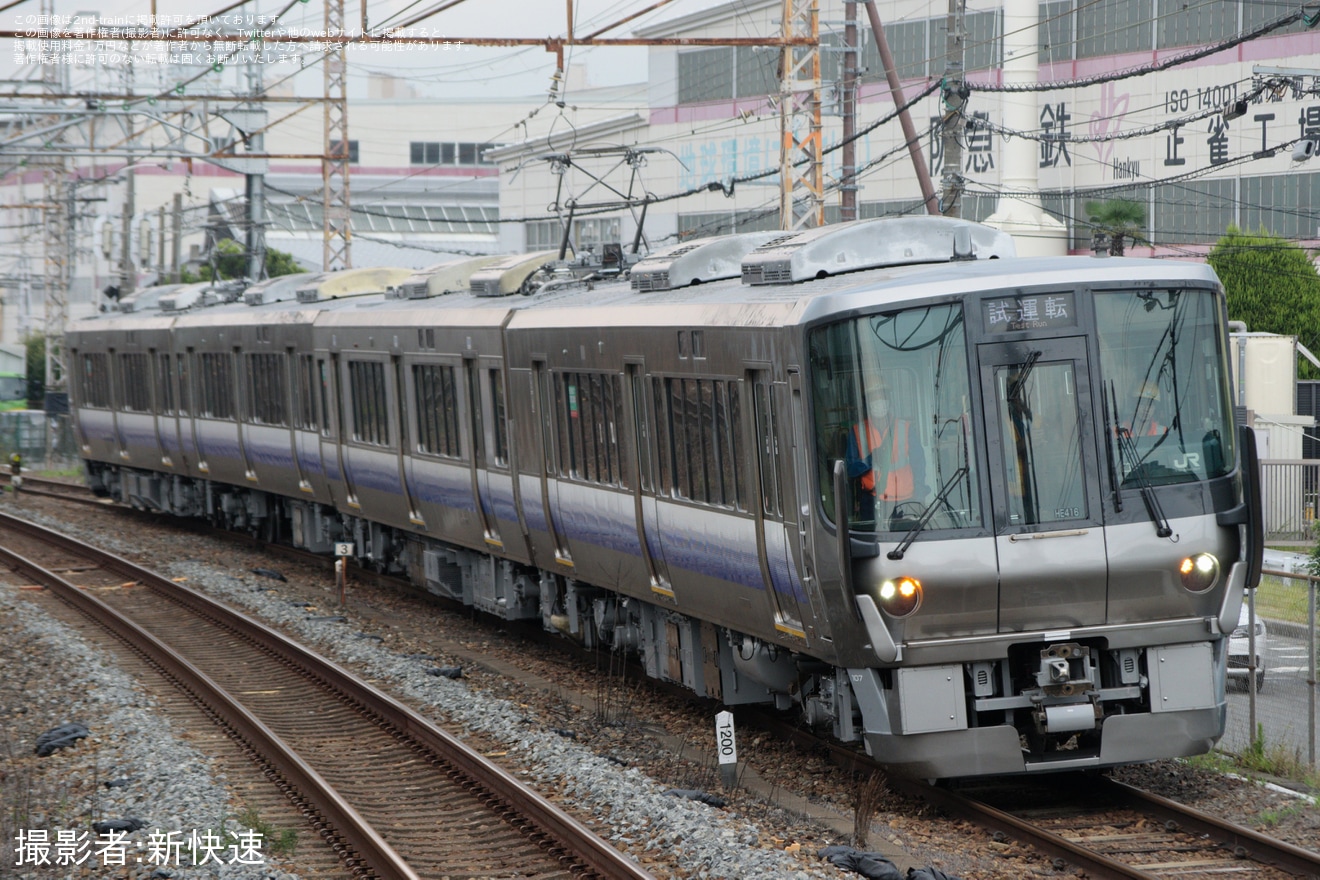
1282 21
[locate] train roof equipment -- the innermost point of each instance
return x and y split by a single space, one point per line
870 244
511 274
441 278
146 298
202 293
697 262
352 282
280 288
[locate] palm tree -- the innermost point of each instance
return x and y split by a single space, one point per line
1120 219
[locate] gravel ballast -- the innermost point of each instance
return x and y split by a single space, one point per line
631 809
132 765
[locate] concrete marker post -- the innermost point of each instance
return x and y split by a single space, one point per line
343 550
726 749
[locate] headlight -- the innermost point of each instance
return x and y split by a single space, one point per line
1199 573
900 596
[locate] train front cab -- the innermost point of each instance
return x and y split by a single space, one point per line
1056 590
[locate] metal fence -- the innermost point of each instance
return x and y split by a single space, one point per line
45 441
1281 714
1290 496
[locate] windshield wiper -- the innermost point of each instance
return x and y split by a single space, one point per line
926 514
1024 373
1127 450
1111 426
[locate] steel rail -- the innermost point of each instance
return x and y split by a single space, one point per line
1242 841
1093 863
579 840
337 813
1248 843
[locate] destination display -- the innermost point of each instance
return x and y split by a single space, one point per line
1036 311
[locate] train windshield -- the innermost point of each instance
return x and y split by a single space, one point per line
1165 400
892 400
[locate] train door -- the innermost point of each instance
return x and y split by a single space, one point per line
502 471
293 406
243 392
158 364
1044 479
477 431
543 389
117 402
304 419
406 445
778 531
332 383
648 523
189 397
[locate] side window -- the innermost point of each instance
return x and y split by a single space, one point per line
95 380
663 436
165 384
306 399
134 383
566 405
215 386
369 402
267 390
640 428
590 406
436 404
185 388
326 383
501 427
764 414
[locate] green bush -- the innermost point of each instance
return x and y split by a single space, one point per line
1272 286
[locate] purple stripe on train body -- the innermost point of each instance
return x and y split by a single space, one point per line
590 515
97 424
217 442
311 465
137 437
332 472
502 503
533 509
269 451
444 485
653 543
712 543
783 575
376 472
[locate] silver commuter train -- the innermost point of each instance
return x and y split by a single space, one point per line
1043 577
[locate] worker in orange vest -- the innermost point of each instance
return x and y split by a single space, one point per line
885 458
1147 410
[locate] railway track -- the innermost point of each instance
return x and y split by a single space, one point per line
62 489
394 795
1105 828
1114 831
1110 829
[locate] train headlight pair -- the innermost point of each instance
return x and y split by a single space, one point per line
1199 572
900 596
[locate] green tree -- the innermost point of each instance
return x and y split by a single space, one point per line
1120 219
279 263
36 368
1272 286
230 261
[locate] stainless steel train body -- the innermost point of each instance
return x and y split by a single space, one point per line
666 473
